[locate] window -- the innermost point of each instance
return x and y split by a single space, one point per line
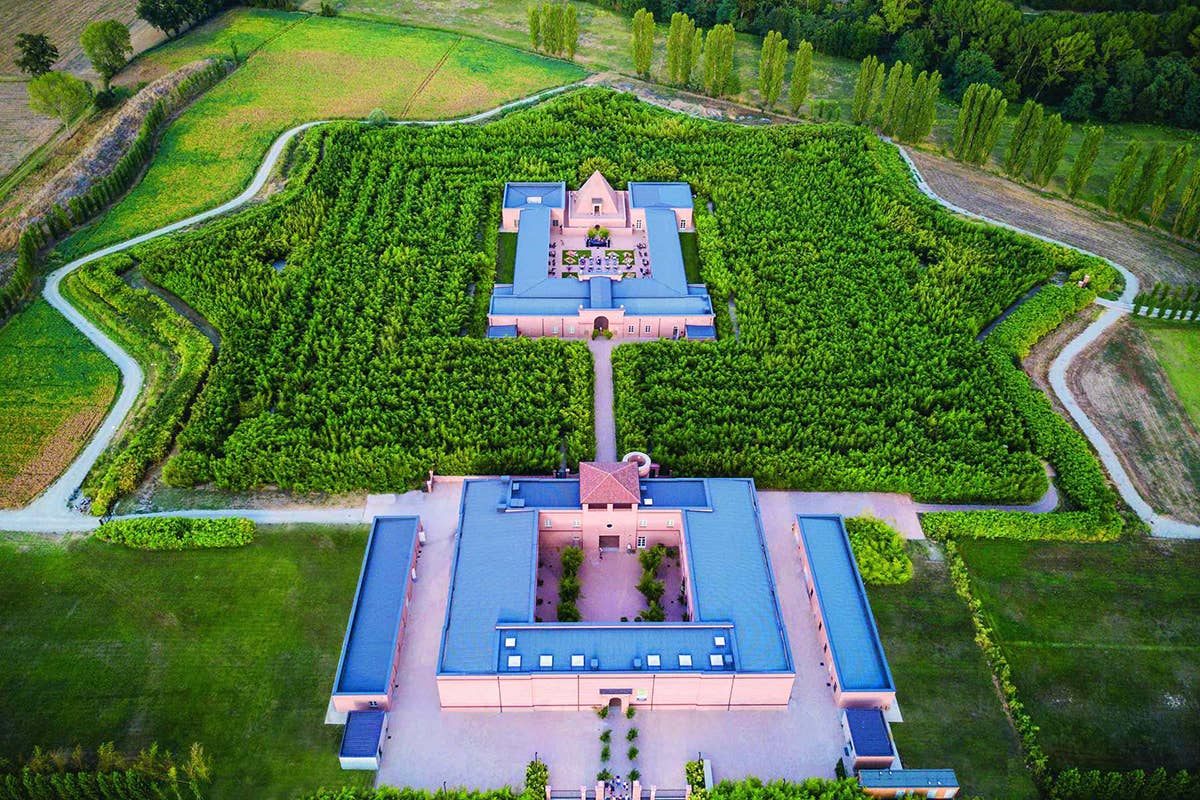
683 223
372 704
514 662
633 329
577 661
647 329
545 661
685 660
548 523
653 660
643 523
637 223
670 523
570 329
641 542
596 206
554 329
574 523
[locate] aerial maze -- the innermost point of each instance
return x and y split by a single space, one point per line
352 310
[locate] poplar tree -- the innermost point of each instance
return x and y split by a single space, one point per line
771 64
1051 147
1123 175
643 41
535 27
1187 218
1146 178
1085 159
979 121
868 90
801 74
891 86
933 91
571 30
1021 145
718 59
687 47
916 119
893 116
1169 182
695 69
674 33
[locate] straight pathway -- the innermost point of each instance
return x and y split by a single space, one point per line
602 396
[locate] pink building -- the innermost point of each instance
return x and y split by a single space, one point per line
598 259
732 652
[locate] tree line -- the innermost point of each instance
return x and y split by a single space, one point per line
554 28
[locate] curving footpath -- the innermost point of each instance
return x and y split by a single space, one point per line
50 511
1160 525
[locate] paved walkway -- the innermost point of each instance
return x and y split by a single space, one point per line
602 394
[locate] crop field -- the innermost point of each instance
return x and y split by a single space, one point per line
1120 384
930 645
307 68
234 649
1103 643
56 390
1178 349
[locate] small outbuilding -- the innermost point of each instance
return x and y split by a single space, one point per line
362 741
906 782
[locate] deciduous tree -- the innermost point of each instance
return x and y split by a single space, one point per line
1166 186
771 64
643 41
801 75
1124 174
37 54
1051 146
1085 159
58 94
1144 185
1024 139
107 46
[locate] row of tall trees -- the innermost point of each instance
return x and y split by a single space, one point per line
554 28
694 59
1155 182
901 105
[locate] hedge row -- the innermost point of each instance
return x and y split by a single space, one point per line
879 551
177 533
1072 784
18 283
123 785
144 324
1080 477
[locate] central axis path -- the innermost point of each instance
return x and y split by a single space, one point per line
602 394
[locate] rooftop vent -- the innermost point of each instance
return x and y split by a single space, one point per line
637 663
595 663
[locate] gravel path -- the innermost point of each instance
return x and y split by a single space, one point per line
602 399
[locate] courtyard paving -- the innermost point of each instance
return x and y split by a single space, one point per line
426 746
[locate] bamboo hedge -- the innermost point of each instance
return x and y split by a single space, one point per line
177 533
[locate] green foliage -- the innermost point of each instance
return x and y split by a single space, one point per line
634 774
176 533
602 712
605 753
146 326
630 712
58 94
1085 159
1144 185
1187 219
568 589
681 42
572 560
632 752
979 121
651 588
643 42
568 612
1051 147
651 558
631 735
1074 784
1119 186
37 54
606 736
107 46
693 773
771 64
377 118
868 90
718 59
879 551
554 28
1166 186
153 773
537 775
897 91
1023 142
807 789
801 75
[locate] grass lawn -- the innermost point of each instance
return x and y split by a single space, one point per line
691 257
506 257
1104 642
235 649
1177 345
308 68
55 391
930 645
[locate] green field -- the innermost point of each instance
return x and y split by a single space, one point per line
930 645
1178 348
1104 643
235 649
55 391
308 68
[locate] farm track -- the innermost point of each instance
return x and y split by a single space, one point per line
51 512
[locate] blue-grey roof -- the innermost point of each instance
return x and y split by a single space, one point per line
623 647
853 638
492 580
907 778
869 732
501 331
374 629
494 576
361 737
701 332
533 248
523 194
601 292
731 574
659 195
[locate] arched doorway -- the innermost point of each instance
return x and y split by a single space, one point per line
601 324
614 703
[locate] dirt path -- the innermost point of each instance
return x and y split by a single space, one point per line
1042 355
1151 257
1121 386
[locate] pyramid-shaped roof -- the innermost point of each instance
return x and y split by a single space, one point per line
603 482
596 186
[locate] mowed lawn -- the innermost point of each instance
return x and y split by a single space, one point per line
235 649
1177 345
952 712
1104 642
308 68
55 391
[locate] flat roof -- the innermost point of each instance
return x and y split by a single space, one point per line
601 292
700 331
520 194
502 331
373 631
649 194
907 778
868 731
493 585
857 653
361 737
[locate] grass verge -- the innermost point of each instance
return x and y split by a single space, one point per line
235 649
1177 346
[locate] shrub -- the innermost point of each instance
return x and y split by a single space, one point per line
537 775
651 588
568 589
606 735
654 613
632 735
604 775
602 712
634 774
568 612
377 118
632 752
605 754
693 772
652 557
572 560
879 551
177 533
629 712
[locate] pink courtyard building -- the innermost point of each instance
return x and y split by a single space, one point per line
598 259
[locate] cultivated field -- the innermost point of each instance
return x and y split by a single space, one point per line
1103 642
56 390
1122 387
1178 350
235 649
309 68
930 644
21 131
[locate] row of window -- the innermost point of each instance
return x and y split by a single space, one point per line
653 660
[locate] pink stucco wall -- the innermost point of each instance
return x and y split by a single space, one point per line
581 325
942 792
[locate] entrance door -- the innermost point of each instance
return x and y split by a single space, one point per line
601 323
610 543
